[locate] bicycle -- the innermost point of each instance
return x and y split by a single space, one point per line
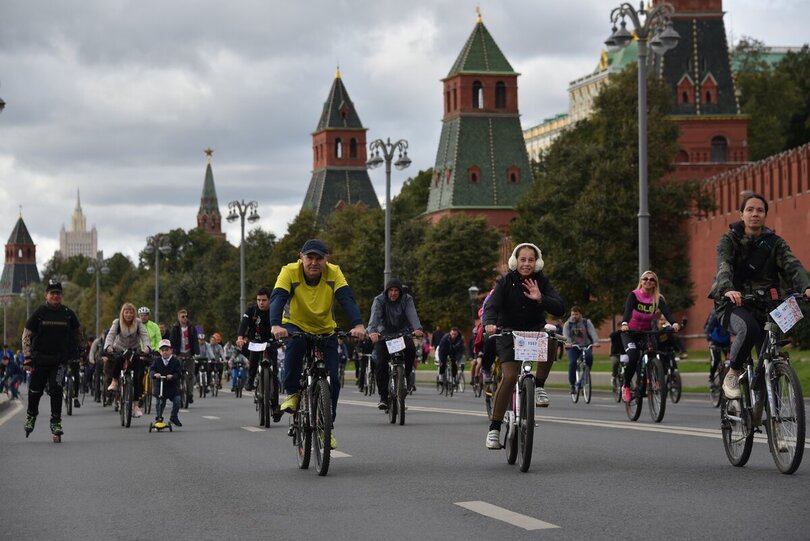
82 382
147 391
239 379
461 380
313 416
672 376
266 395
582 386
478 383
69 385
518 421
397 390
616 381
772 388
719 359
215 377
370 385
448 385
126 387
202 368
648 380
186 382
491 386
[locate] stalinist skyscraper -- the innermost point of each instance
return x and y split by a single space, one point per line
78 241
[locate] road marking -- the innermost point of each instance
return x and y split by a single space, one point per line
338 454
505 515
184 411
14 410
252 429
209 417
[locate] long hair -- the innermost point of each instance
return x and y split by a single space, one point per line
122 323
657 292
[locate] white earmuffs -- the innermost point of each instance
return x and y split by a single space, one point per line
538 265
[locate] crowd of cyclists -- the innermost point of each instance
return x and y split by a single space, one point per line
750 257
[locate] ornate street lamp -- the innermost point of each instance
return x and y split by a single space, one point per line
403 161
98 267
157 244
653 28
473 291
238 210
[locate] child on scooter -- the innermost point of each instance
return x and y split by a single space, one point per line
168 365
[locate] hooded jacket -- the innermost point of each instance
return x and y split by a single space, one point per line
509 307
389 316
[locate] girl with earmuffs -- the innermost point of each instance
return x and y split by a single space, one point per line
520 300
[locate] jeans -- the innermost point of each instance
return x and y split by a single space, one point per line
573 357
161 404
235 373
293 358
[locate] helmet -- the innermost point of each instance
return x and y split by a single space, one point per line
143 310
201 336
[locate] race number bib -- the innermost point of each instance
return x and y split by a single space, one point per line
787 314
257 346
395 345
530 346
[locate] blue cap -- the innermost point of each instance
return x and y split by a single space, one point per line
315 246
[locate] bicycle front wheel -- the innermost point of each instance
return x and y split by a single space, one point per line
69 396
525 424
586 384
738 439
715 386
462 383
656 390
633 408
302 431
392 397
264 404
785 424
675 386
126 406
322 426
401 395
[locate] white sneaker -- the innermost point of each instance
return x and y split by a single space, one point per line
541 398
493 439
136 411
731 385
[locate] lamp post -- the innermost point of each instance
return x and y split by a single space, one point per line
5 302
157 244
28 293
403 161
238 210
473 291
98 267
653 29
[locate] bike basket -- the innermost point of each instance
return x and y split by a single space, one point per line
395 345
530 346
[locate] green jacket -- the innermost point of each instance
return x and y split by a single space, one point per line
154 334
746 264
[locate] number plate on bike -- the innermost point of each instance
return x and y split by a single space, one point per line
787 314
530 346
395 345
257 346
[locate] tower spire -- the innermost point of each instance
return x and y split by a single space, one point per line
208 217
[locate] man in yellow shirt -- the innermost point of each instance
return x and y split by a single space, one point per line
303 299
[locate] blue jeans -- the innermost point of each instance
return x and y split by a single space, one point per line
573 356
293 359
161 404
235 373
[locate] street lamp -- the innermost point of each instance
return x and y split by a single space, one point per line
473 291
28 292
157 244
403 161
98 267
5 302
238 210
653 29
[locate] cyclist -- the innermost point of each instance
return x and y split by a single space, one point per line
151 327
168 365
219 359
303 299
185 347
616 353
519 301
12 375
719 342
580 331
639 315
750 258
450 348
255 325
50 338
393 311
127 332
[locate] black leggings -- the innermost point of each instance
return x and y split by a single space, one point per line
53 376
748 334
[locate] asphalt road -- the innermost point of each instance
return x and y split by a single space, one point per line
594 475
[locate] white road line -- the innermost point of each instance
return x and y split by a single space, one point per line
338 454
505 515
209 417
252 429
11 413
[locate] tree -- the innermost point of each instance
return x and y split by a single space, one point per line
581 210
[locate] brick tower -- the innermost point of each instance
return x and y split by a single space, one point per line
339 174
20 268
208 217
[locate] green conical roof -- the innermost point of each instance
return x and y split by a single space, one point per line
20 234
481 55
208 203
338 110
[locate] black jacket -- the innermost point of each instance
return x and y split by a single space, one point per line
171 387
508 307
176 338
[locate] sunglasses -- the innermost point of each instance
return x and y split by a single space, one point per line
648 279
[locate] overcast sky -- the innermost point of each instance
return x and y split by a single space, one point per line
119 98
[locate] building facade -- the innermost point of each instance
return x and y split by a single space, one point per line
78 240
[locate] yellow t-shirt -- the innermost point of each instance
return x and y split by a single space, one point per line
310 308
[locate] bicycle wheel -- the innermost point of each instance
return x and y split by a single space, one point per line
401 395
716 385
675 386
785 425
322 426
656 390
633 408
737 438
183 393
392 397
462 383
510 441
586 384
616 383
239 385
83 390
577 384
303 432
265 399
69 396
525 425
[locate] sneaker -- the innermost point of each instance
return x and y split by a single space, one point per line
175 421
731 385
56 427
277 413
136 411
191 399
76 403
30 422
383 405
493 439
573 389
333 441
626 394
291 403
113 386
541 398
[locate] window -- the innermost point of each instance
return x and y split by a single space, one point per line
447 102
474 174
353 148
338 149
708 97
500 95
682 157
719 149
513 175
478 95
685 97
